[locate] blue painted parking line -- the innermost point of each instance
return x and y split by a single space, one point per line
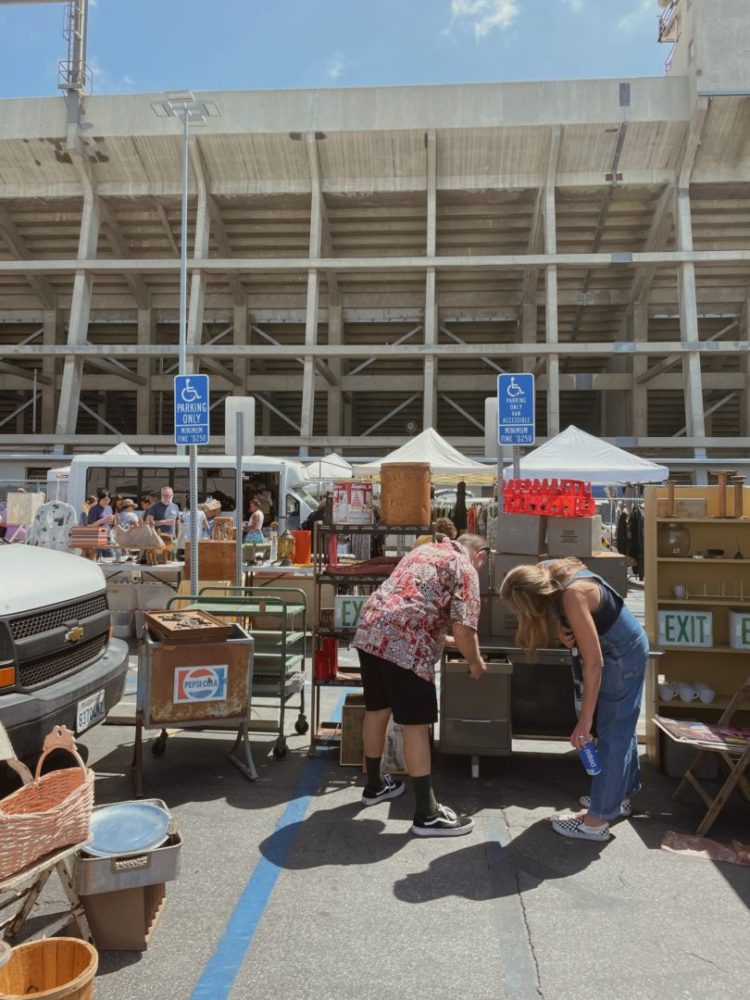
222 968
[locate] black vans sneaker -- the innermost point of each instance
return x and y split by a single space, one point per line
445 823
390 789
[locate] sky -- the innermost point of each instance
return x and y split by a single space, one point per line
146 46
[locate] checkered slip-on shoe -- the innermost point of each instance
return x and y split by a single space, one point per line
575 828
626 806
390 789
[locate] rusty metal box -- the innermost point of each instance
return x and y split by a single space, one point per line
186 684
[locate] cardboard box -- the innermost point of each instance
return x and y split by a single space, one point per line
574 536
122 596
503 623
216 560
124 920
611 567
521 533
502 564
154 596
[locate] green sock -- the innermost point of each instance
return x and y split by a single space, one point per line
374 776
427 804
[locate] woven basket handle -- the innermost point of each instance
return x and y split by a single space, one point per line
60 738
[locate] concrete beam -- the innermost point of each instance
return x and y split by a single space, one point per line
18 246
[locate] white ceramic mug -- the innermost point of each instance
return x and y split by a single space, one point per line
705 693
667 691
679 590
687 692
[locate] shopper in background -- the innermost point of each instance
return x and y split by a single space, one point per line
127 517
317 515
101 516
254 523
165 514
204 530
613 649
403 628
86 506
443 527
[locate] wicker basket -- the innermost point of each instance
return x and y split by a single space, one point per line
51 812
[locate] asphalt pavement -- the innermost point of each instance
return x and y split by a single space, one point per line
289 889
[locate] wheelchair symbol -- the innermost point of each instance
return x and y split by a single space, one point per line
189 393
514 389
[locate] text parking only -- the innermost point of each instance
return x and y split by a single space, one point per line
191 415
515 409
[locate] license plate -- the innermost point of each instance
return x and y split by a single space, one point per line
90 711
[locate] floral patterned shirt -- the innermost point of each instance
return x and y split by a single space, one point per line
409 615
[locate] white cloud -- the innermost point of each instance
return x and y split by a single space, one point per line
575 5
335 66
641 10
105 83
485 15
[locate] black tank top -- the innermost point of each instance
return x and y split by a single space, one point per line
610 603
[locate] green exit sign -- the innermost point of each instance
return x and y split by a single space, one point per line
686 628
739 630
347 610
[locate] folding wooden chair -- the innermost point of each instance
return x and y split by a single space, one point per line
734 763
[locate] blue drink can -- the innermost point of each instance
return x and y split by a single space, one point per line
590 758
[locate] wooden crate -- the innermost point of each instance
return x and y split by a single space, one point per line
187 626
683 507
352 716
216 560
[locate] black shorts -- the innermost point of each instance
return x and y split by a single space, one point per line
412 699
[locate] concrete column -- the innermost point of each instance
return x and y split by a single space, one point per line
144 396
429 396
49 394
334 420
80 308
551 318
689 333
200 251
529 328
744 428
638 321
241 338
429 391
313 294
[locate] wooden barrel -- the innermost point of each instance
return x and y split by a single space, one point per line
55 968
405 493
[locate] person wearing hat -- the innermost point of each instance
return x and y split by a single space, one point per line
127 517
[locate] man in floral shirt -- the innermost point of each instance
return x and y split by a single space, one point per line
403 627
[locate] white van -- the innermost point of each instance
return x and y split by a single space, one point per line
134 475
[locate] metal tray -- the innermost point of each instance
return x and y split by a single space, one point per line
92 875
126 829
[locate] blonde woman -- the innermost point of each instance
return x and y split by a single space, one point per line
613 649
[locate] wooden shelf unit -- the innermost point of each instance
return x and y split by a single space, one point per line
725 673
324 733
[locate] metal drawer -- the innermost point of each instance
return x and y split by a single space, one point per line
473 736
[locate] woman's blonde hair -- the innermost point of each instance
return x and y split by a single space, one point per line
534 594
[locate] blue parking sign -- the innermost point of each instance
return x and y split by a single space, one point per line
515 409
191 412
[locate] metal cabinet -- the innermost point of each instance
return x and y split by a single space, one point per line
475 714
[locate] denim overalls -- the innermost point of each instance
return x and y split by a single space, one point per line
625 654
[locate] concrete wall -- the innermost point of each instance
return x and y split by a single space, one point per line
714 44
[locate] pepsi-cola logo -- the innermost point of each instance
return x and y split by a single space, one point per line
200 684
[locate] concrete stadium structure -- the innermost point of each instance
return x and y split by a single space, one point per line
365 261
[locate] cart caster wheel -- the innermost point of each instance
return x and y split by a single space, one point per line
159 746
301 726
280 752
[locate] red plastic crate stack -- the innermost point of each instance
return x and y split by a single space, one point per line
550 497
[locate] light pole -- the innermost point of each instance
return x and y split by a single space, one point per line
182 105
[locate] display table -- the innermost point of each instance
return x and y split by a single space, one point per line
130 572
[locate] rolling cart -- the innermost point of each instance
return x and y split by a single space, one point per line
276 617
194 685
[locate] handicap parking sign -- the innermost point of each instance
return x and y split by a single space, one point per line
191 412
515 409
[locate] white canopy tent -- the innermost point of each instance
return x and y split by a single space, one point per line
331 467
574 454
446 462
